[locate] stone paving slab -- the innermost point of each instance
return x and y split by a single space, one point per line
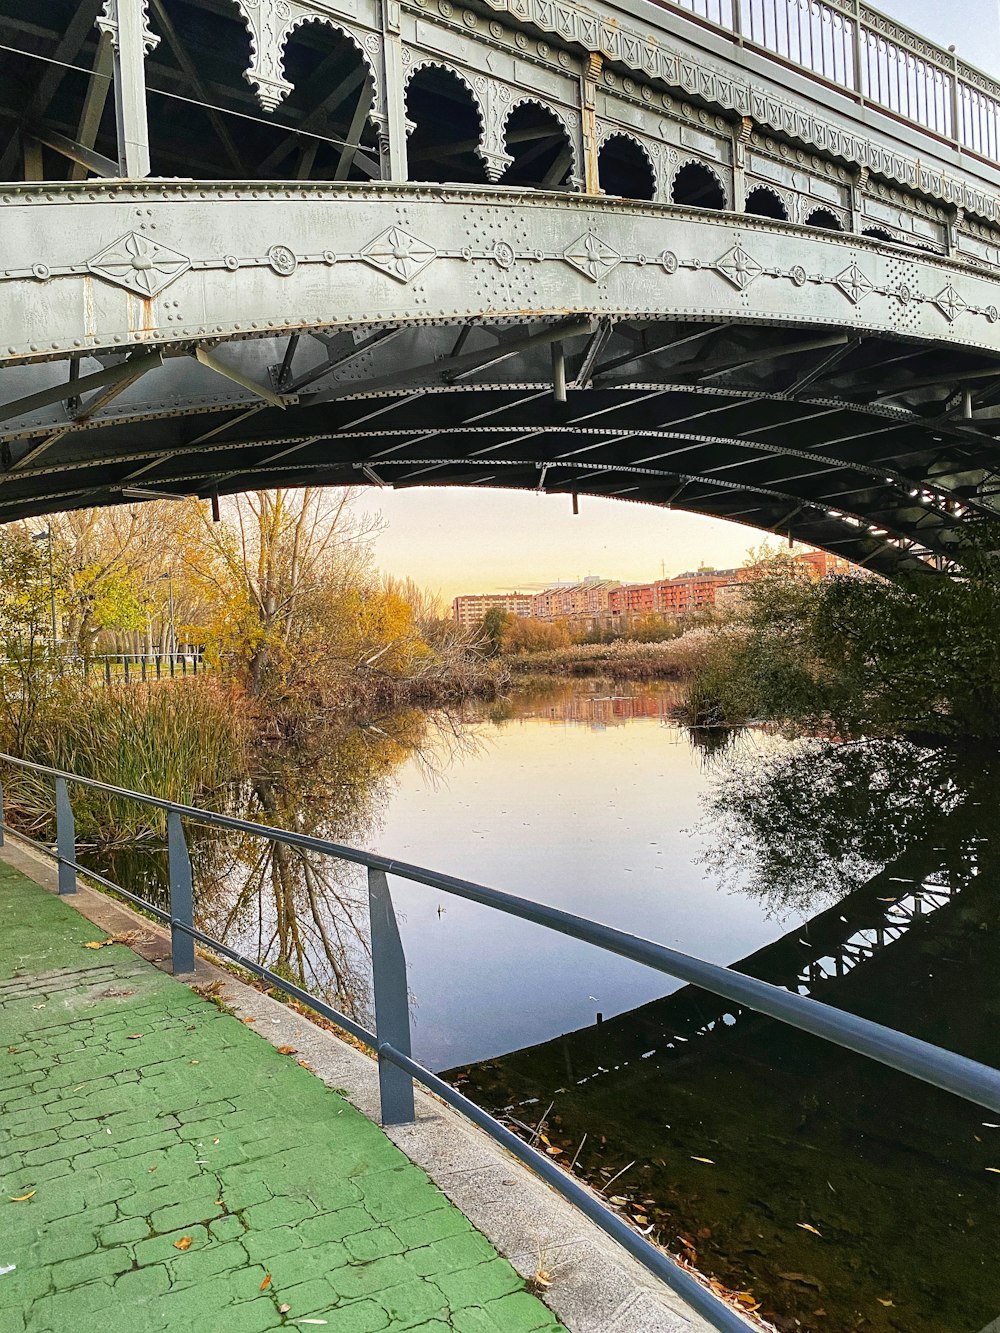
185 1175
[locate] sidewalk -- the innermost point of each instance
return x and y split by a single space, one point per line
182 1174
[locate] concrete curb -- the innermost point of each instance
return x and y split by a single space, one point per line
596 1286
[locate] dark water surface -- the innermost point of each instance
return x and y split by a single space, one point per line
866 874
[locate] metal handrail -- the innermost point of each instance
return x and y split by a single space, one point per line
931 1064
850 45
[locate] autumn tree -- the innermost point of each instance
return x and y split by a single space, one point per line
285 572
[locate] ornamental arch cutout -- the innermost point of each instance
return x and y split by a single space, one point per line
539 145
624 168
332 106
822 217
445 125
763 202
697 185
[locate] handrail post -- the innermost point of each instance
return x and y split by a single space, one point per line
956 105
181 896
65 838
392 1002
3 815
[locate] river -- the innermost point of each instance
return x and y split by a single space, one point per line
838 1195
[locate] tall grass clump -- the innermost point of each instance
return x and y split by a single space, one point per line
180 740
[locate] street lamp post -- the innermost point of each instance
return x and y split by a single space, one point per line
46 536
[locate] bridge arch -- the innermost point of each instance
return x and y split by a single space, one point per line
762 201
339 335
540 142
445 125
624 167
697 185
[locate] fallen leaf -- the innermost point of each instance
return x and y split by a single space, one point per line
219 1203
215 1140
803 1279
266 1283
250 1018
23 1198
707 1160
151 1169
96 944
283 1309
196 1062
882 1302
305 1064
183 1244
806 1227
135 1036
287 1050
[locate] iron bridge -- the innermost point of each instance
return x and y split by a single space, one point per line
740 257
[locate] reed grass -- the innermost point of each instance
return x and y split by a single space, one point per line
178 740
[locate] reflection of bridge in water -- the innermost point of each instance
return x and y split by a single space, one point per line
740 258
811 960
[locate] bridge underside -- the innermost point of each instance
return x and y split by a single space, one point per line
207 339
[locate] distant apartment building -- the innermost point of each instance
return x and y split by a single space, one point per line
691 591
470 608
596 601
631 601
823 565
586 602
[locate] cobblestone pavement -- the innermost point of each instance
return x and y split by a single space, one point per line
164 1168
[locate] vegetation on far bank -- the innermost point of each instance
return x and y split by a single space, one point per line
917 656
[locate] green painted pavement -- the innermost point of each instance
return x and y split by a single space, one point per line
137 1115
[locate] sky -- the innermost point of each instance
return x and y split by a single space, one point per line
971 26
453 541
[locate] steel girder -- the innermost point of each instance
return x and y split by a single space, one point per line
205 338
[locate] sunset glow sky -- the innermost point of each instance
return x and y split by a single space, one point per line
455 541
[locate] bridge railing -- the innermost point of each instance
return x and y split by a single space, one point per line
860 50
975 1082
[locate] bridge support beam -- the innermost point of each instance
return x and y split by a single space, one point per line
126 23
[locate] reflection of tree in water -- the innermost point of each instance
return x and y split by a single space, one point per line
804 826
304 914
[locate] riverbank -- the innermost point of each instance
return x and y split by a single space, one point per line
620 660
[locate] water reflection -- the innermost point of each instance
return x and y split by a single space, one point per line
842 1195
302 914
811 823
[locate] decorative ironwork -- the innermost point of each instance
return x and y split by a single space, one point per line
139 263
593 257
398 253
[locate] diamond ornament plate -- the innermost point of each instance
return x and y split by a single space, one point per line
854 284
593 257
139 264
399 253
951 303
738 267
